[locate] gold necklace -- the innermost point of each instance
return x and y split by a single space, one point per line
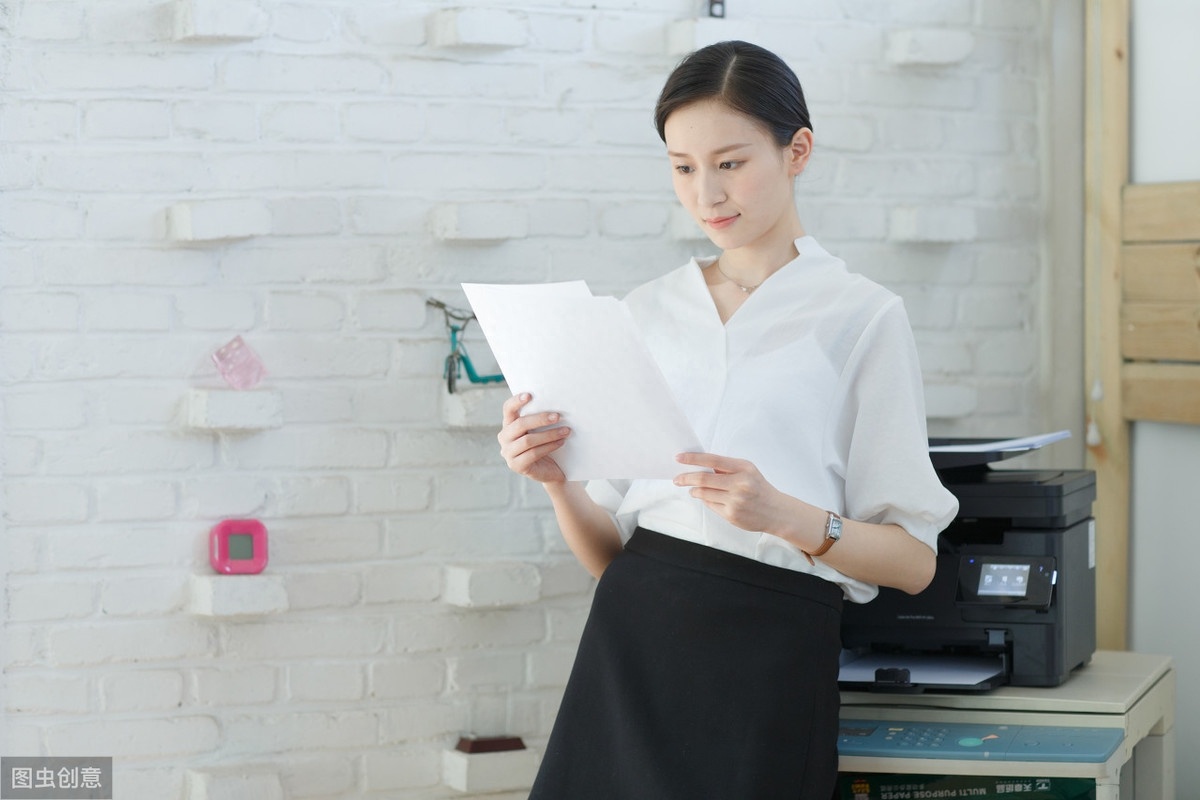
745 289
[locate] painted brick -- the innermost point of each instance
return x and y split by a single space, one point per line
391 310
944 401
402 583
479 222
42 122
687 35
49 22
430 632
312 497
407 678
140 500
474 490
126 119
236 595
247 684
45 694
273 72
218 220
176 736
489 772
219 19
475 407
53 599
109 311
305 730
42 502
299 449
100 452
318 774
28 311
322 590
241 784
215 120
30 219
290 639
216 311
392 493
496 671
142 690
301 24
325 682
477 27
227 409
421 721
101 547
491 585
143 596
932 224
305 216
122 642
929 47
405 769
300 122
383 122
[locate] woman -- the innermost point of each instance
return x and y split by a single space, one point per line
708 666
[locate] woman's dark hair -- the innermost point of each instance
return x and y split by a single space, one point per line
747 78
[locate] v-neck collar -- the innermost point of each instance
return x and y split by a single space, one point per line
805 245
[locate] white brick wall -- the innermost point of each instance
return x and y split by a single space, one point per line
306 175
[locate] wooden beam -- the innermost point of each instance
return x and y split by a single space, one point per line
1161 332
1162 392
1106 159
1161 212
1161 273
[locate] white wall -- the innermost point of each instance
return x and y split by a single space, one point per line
338 127
1165 462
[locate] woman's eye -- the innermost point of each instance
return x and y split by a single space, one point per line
729 164
683 169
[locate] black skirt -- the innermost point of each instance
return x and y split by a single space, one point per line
701 675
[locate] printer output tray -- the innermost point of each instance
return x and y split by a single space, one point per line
918 672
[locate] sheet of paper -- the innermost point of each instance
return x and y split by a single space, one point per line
940 670
583 357
999 445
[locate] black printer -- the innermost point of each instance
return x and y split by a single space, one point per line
1013 599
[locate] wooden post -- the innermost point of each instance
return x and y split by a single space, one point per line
1106 157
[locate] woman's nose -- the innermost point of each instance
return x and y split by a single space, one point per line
711 191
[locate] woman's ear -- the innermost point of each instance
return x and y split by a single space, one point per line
798 151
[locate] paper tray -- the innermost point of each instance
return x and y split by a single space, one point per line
918 672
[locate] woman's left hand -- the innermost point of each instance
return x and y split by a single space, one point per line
735 489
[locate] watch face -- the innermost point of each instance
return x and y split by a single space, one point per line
835 528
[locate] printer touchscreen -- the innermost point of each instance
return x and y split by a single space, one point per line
1007 580
1015 581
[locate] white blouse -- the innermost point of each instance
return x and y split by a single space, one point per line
815 380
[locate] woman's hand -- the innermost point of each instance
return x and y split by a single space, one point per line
528 451
735 489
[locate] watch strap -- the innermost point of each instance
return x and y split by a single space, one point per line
833 532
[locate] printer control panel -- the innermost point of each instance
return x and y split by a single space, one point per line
1005 580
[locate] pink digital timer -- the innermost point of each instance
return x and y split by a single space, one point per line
238 547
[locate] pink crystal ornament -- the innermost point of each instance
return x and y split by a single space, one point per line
239 365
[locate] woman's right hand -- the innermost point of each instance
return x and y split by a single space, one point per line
528 451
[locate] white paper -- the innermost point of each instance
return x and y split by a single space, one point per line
1003 445
583 357
925 669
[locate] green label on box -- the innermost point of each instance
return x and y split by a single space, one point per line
856 786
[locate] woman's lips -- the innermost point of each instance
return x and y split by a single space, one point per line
720 222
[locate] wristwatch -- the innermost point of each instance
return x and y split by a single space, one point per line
833 532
